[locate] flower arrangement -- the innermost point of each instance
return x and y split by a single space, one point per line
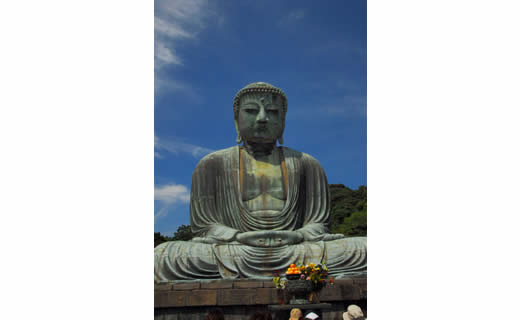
278 283
317 274
303 283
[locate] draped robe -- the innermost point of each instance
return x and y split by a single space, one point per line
218 214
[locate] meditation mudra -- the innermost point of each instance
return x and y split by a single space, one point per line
257 207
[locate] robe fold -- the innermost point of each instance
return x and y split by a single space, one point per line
218 215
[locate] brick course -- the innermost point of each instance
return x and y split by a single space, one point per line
246 292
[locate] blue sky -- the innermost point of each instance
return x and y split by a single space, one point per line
205 51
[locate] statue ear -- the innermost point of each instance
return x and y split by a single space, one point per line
280 138
239 137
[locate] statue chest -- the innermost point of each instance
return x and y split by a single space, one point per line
262 182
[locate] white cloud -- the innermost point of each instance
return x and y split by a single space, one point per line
177 147
192 11
171 85
174 21
164 55
172 193
169 195
170 30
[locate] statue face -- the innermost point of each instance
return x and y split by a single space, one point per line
260 117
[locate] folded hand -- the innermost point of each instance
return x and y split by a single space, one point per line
269 238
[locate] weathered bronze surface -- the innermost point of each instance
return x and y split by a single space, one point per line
258 207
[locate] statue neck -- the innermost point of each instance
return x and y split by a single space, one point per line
257 149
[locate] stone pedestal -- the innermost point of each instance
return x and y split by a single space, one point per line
238 299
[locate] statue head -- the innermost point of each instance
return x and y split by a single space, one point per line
259 112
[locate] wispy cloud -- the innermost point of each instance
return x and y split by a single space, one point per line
176 147
165 55
166 83
172 85
170 30
293 17
168 195
175 21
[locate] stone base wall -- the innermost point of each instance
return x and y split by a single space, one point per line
239 299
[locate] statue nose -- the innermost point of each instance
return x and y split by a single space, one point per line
262 116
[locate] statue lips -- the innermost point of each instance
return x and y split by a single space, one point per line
263 130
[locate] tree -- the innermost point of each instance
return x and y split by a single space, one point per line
348 210
158 238
183 233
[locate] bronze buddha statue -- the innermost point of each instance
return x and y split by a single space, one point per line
257 207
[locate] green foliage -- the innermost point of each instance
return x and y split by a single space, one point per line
355 225
348 210
158 238
183 233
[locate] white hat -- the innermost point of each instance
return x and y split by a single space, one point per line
353 312
312 316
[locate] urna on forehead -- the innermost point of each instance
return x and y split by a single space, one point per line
258 90
261 97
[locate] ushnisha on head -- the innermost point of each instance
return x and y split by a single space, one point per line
259 112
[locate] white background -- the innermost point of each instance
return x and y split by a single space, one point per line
76 170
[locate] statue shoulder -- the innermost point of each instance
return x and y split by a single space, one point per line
301 156
215 158
291 153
